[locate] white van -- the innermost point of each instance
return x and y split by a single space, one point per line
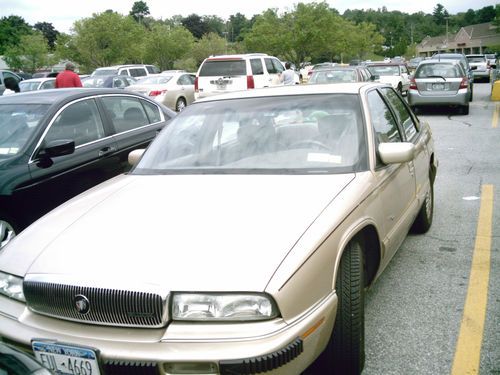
133 70
225 73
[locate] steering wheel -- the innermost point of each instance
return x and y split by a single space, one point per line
309 143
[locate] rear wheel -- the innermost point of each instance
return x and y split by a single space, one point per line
465 109
400 89
471 94
345 353
180 105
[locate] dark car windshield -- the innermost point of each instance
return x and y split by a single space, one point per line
17 123
298 134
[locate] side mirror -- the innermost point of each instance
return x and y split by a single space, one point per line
53 149
135 156
397 152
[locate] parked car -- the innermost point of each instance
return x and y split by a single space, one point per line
37 84
17 362
481 65
341 74
225 73
465 65
440 83
492 60
413 63
47 74
241 242
7 73
57 143
321 66
133 70
175 90
395 74
113 81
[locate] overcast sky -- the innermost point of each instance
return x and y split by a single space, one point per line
62 14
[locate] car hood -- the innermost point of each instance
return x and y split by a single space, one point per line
217 232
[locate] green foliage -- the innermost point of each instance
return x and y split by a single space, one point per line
12 28
107 39
29 55
164 45
209 44
195 25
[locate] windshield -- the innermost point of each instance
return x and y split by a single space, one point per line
333 76
17 123
292 134
388 70
105 72
476 59
28 86
155 80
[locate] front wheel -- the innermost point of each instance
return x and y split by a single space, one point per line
345 353
7 231
424 217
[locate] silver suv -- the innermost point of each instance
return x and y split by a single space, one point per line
133 70
482 67
226 73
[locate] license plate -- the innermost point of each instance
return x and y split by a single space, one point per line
65 359
438 86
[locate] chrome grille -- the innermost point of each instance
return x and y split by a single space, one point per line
107 306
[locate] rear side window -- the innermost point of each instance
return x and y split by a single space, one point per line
138 72
273 66
223 68
257 68
152 111
125 113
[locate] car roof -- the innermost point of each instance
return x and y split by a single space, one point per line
236 56
51 96
445 61
334 88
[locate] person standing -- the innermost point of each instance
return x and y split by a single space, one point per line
288 76
68 77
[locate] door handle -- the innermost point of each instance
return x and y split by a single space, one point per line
106 150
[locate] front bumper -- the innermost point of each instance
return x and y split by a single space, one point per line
461 97
274 347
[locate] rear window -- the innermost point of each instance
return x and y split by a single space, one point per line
257 68
476 59
440 70
223 68
105 72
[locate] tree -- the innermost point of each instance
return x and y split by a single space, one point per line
48 31
29 55
195 25
486 14
439 14
139 10
165 45
237 26
214 24
107 39
12 28
209 44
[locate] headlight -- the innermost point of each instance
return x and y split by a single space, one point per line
12 286
223 307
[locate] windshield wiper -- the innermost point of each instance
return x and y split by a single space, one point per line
444 79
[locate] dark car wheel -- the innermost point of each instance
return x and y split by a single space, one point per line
400 89
464 109
345 353
180 105
423 221
471 94
7 230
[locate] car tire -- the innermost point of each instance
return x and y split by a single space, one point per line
414 108
400 89
465 109
345 353
471 94
8 230
180 105
423 221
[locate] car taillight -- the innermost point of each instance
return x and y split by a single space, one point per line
250 82
157 92
464 84
413 84
196 84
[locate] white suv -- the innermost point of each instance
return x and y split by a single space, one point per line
133 70
225 73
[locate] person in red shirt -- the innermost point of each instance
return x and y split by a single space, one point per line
68 78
